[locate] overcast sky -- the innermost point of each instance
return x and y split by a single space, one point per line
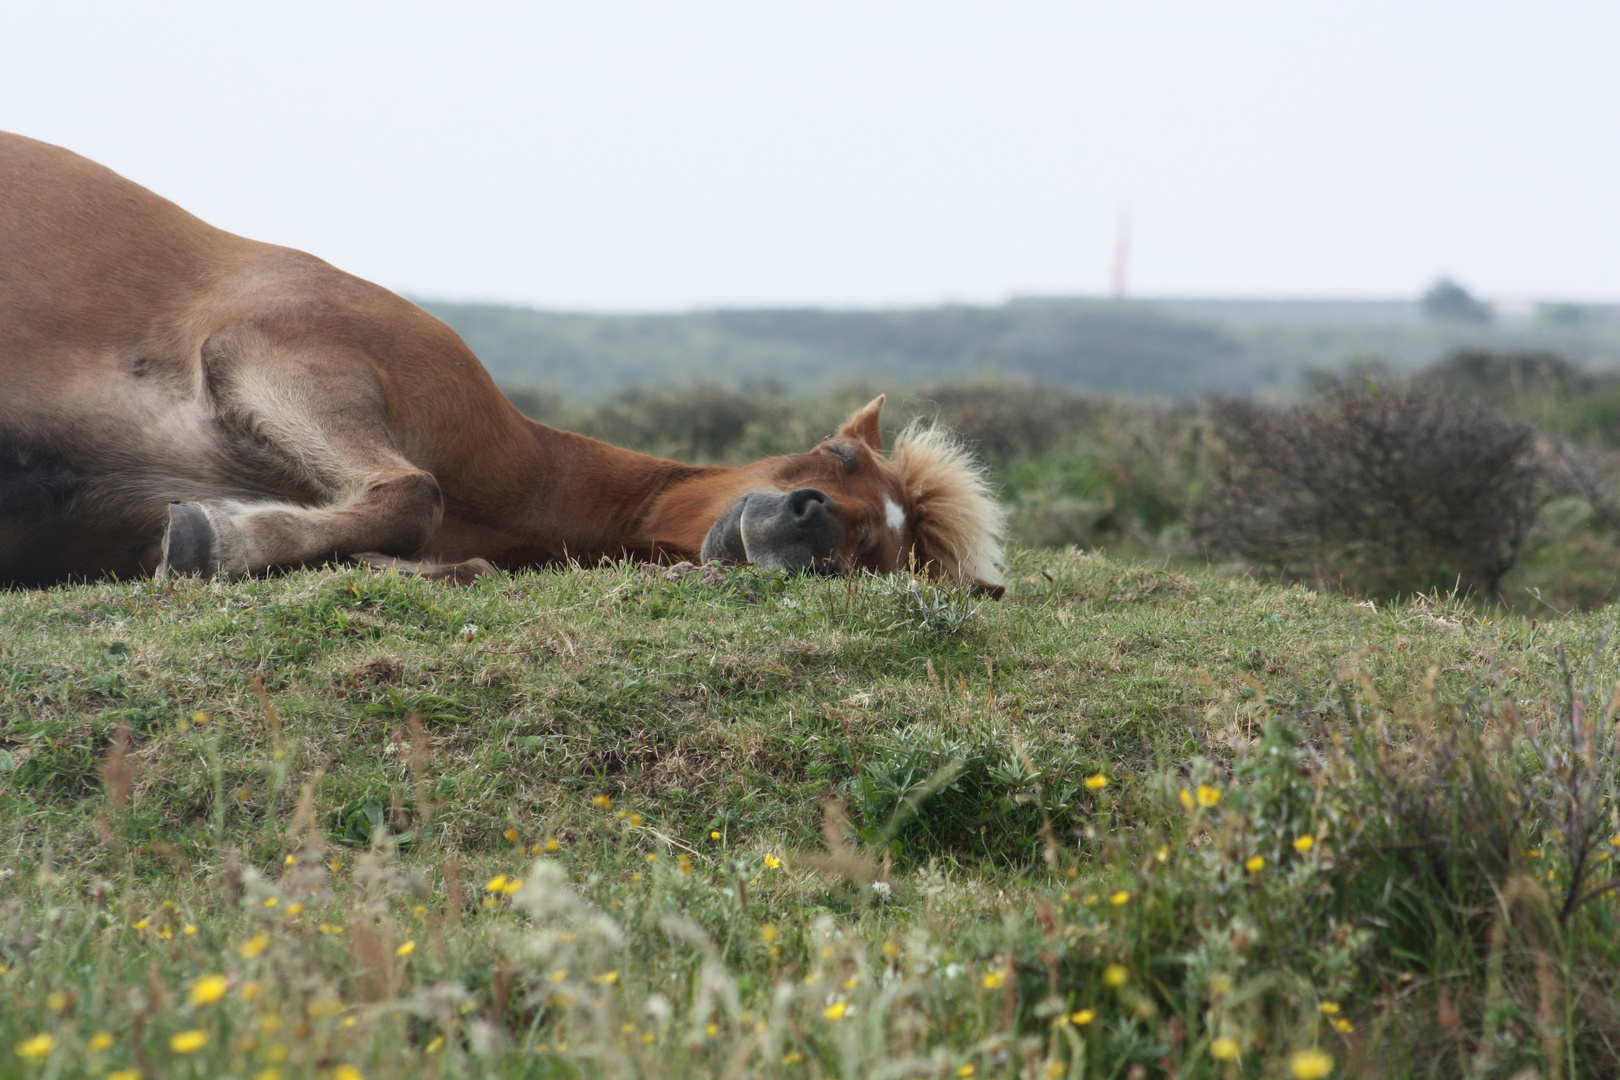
674 154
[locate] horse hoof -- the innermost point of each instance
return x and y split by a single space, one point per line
188 542
462 573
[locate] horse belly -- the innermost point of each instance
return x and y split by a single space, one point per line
47 535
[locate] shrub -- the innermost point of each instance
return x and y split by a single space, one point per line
1384 491
699 423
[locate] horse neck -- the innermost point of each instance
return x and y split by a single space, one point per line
581 498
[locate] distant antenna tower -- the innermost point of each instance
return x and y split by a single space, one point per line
1122 254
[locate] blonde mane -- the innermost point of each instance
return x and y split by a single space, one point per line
958 524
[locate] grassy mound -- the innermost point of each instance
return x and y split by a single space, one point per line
620 822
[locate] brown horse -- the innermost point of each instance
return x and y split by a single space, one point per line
176 399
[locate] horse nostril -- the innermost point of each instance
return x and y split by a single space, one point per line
807 502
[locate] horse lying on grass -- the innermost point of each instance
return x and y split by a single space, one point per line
181 400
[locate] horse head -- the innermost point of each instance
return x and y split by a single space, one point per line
847 505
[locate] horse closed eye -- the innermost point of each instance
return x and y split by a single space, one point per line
842 452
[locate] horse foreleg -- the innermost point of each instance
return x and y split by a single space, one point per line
391 516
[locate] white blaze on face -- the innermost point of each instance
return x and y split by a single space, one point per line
893 515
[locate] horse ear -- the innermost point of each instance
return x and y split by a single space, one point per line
864 425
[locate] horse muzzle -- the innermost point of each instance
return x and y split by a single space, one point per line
792 530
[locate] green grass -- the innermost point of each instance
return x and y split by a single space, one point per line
800 828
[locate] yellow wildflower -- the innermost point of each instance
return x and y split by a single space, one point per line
714 834
1310 1064
496 883
994 979
685 864
602 801
347 1072
435 1046
1120 898
207 990
293 909
1343 1026
1208 796
836 1010
712 1030
101 1040
406 949
767 933
271 901
1097 782
1224 1048
255 945
57 1000
1116 976
1329 1008
135 1074
1082 1017
966 1070
772 862
608 978
37 1047
511 835
1255 863
188 1042
190 930
792 1058
1186 798
1303 844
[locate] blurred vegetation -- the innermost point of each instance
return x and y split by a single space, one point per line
1177 350
1536 437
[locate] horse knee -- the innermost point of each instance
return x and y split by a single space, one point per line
408 509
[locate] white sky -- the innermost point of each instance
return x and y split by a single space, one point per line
672 154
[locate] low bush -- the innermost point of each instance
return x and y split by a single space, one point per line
1385 491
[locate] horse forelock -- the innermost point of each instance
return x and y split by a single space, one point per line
957 523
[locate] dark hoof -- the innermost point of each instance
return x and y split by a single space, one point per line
984 588
188 542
